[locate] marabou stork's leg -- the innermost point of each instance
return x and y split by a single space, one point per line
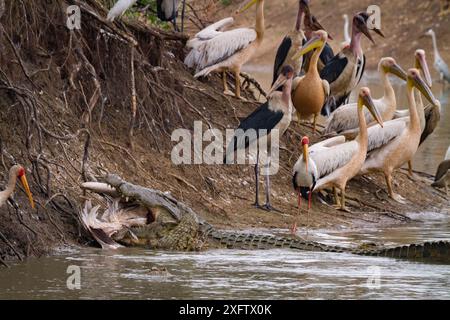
392 194
256 204
226 91
268 206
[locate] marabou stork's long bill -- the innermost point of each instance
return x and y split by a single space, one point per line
290 45
439 64
312 25
275 114
396 143
228 50
16 172
333 162
345 70
345 118
442 177
310 91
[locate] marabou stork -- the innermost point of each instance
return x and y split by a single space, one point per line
345 70
439 64
442 177
275 114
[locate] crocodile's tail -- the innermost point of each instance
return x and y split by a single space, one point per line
437 251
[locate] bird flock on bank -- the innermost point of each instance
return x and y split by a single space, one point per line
368 136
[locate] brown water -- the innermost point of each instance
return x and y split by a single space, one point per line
432 151
237 274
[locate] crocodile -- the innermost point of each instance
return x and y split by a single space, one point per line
175 226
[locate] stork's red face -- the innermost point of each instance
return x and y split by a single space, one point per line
21 172
305 141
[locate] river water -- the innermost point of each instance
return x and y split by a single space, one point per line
239 274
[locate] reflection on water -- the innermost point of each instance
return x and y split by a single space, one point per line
432 151
237 274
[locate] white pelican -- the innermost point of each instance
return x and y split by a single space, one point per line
431 115
16 171
347 38
439 64
345 118
333 162
119 9
346 69
442 177
275 114
395 144
309 91
193 58
229 50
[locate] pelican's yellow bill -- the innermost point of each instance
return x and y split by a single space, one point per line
24 182
248 5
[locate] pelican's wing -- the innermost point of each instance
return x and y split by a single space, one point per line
401 113
442 170
335 157
119 8
224 46
380 136
281 56
323 145
213 30
432 118
342 119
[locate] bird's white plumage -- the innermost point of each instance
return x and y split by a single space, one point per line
380 136
223 47
447 155
332 154
193 58
119 8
